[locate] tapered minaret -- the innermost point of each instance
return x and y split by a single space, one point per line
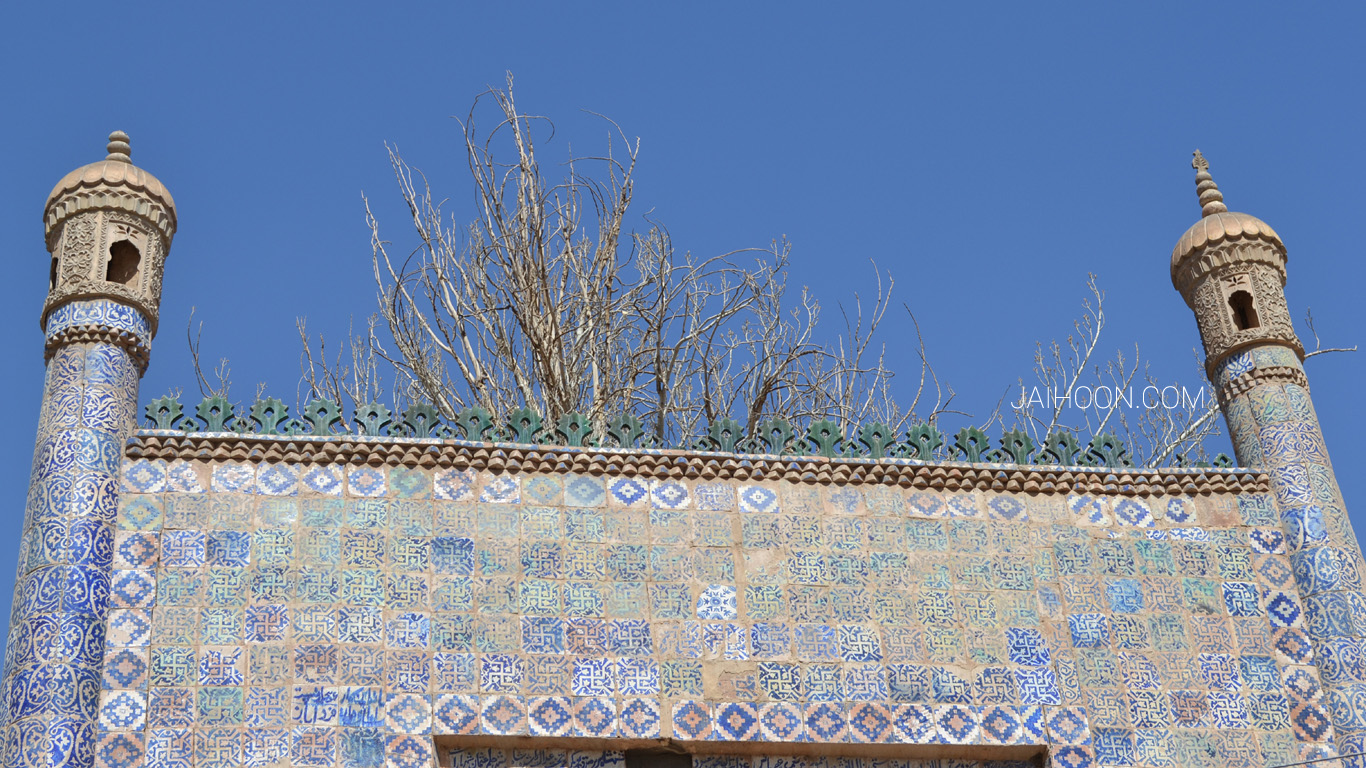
108 228
1230 267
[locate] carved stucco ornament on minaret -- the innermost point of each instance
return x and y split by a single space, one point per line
1230 267
108 226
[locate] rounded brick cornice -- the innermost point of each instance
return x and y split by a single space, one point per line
678 464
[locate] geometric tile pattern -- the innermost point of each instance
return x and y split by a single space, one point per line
356 610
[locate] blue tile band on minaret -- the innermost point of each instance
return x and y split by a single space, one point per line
1230 267
109 227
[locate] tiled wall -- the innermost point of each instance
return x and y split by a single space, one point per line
339 615
560 758
1273 425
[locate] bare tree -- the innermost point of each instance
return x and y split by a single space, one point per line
550 300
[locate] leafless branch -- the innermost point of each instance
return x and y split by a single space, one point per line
222 372
549 299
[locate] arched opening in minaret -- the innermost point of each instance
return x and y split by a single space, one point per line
124 263
1244 314
52 274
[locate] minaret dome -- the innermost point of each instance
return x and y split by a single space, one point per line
1230 268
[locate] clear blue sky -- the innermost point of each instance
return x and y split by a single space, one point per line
988 156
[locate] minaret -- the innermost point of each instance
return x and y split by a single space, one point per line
1230 268
108 227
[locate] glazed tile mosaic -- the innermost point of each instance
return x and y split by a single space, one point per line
551 758
394 602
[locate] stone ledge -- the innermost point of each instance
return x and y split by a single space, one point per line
678 464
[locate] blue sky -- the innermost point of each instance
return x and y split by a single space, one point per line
987 156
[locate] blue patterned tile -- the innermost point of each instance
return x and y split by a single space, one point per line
957 723
715 496
1033 724
735 721
870 722
1068 725
639 719
411 482
144 476
1007 508
584 491
1310 722
542 489
667 494
1134 512
1113 746
717 602
1027 647
593 677
408 713
1267 541
132 589
1089 630
457 714
221 666
1241 599
691 720
1283 609
1038 686
550 716
368 482
637 677
119 750
454 484
233 478
595 717
182 549
915 724
228 549
1292 646
170 747
630 637
181 477
1000 725
407 751
326 480
757 499
502 716
779 721
501 489
1124 595
541 634
129 627
125 668
1088 509
313 746
123 710
826 722
277 480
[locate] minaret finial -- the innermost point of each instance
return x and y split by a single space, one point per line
118 147
1211 199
